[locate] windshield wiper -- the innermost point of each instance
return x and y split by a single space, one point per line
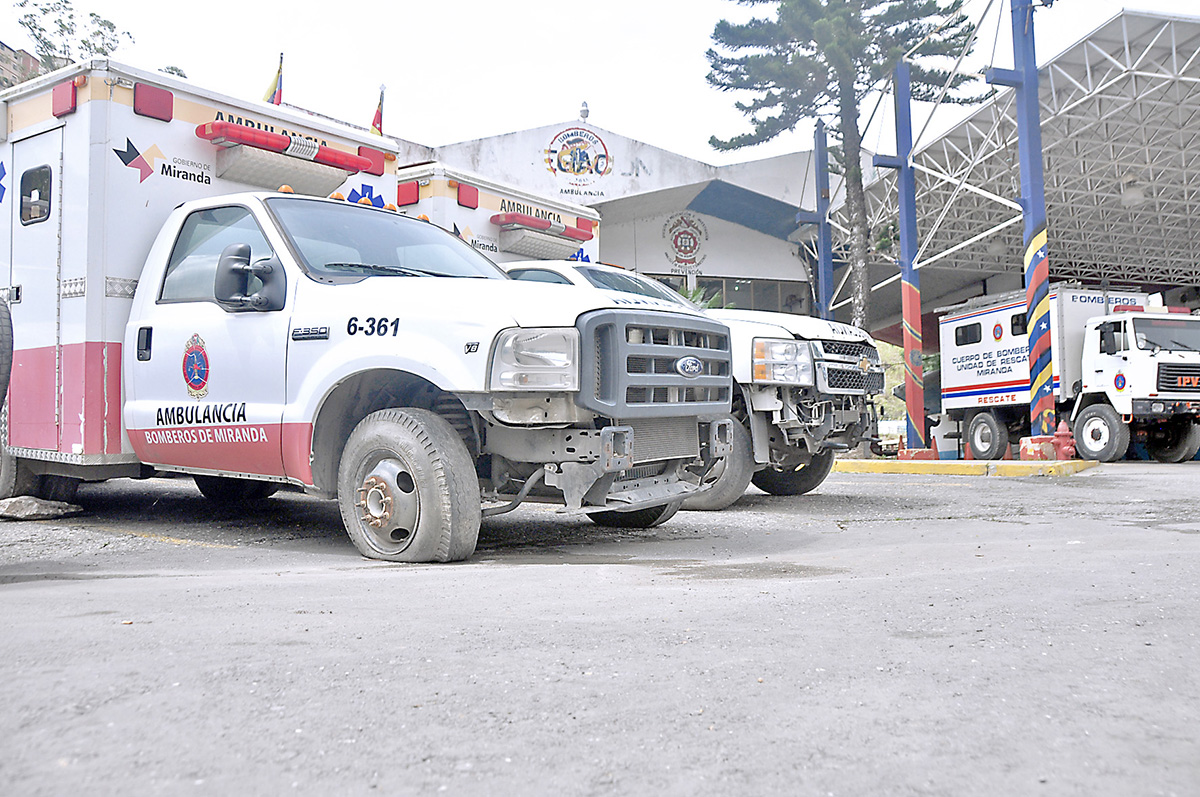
379 267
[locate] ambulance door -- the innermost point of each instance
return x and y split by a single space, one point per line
34 296
206 385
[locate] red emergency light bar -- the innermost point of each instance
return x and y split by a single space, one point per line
523 221
1137 308
227 134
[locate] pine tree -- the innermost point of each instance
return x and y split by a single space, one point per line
820 58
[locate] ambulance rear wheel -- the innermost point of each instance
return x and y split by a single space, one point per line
986 436
227 490
796 480
407 489
638 518
1178 441
1100 434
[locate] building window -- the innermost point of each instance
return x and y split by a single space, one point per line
774 296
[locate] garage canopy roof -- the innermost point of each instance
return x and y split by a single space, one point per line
1121 140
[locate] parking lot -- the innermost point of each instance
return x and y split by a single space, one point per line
887 634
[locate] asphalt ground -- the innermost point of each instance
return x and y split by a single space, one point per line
910 633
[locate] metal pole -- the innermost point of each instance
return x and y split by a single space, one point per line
1024 79
824 293
910 290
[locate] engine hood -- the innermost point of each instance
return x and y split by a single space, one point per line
801 326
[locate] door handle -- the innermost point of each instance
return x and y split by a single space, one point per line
145 336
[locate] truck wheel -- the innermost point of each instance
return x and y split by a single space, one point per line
986 436
226 490
795 481
730 477
1100 435
16 478
407 489
638 518
1178 442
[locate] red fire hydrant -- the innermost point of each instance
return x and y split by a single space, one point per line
1064 442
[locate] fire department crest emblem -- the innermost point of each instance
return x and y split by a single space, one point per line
195 367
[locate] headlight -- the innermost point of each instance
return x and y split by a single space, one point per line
778 361
536 359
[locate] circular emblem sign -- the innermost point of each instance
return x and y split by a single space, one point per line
195 367
579 155
1119 381
685 235
997 332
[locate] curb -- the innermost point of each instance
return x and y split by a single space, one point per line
963 467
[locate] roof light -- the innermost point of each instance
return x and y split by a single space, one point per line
227 134
286 189
338 196
523 221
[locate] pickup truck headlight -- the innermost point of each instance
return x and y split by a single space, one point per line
782 362
536 359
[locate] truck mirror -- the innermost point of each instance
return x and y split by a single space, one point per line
242 285
231 282
1108 339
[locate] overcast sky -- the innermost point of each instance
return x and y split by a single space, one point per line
457 70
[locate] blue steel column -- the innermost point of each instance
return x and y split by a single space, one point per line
1024 79
820 218
910 288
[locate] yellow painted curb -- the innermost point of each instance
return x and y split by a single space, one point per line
962 467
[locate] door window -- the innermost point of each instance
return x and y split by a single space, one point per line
192 269
35 195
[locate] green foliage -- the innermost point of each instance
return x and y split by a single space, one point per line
696 296
174 70
59 39
816 58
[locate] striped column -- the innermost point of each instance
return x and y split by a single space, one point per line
914 374
1037 300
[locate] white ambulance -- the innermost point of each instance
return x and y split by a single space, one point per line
168 315
1123 370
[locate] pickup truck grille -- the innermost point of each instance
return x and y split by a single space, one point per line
630 361
1179 378
847 367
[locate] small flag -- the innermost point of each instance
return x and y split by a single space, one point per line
274 94
377 122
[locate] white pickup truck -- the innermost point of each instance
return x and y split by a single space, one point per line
168 315
805 386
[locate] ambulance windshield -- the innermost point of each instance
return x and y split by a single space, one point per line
1173 334
337 242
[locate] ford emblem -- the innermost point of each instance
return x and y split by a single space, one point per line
691 367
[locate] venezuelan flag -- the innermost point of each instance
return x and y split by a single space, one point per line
377 122
274 94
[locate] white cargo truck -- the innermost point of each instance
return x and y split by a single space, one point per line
1123 370
805 387
166 316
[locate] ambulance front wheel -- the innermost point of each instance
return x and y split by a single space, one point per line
730 477
646 518
407 489
986 436
1100 434
796 480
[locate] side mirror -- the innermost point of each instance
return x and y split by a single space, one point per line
242 285
1108 339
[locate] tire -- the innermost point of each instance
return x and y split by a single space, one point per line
986 436
226 490
1179 442
1100 434
730 477
407 489
637 518
796 481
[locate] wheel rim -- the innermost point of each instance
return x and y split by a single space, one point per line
1095 433
389 506
983 438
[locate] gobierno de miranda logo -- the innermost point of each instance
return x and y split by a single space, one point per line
176 168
